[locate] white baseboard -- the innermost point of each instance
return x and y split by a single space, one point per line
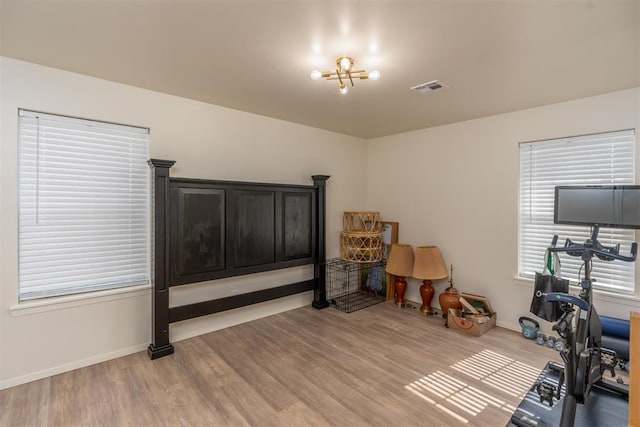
509 326
12 382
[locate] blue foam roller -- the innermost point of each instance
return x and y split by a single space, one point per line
615 327
617 344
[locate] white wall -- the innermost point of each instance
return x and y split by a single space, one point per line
456 186
207 142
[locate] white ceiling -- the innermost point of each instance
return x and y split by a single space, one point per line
256 56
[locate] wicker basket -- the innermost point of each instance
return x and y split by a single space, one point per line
361 221
360 247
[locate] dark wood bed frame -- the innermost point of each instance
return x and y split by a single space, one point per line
205 230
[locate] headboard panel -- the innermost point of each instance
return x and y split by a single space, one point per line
205 230
222 229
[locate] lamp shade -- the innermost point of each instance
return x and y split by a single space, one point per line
428 264
400 262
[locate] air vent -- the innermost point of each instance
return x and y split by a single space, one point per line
430 87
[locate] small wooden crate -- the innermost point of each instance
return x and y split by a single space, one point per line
360 247
477 319
361 221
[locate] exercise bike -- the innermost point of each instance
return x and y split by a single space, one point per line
584 358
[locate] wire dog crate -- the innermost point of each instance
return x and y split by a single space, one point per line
353 286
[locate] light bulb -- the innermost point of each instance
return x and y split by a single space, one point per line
343 90
315 74
374 75
345 63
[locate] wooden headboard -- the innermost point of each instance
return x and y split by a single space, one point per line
205 230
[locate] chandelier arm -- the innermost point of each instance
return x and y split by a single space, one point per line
360 74
334 76
343 72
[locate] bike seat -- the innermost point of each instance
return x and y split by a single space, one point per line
567 298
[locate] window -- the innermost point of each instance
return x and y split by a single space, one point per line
82 204
600 159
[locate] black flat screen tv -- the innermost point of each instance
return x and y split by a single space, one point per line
602 205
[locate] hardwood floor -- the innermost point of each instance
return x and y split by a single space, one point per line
379 366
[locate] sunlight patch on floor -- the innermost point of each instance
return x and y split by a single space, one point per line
460 400
418 392
438 388
503 373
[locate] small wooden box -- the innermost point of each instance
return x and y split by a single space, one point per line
476 316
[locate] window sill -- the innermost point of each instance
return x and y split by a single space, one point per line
597 293
30 307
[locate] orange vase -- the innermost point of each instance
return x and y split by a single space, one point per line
449 299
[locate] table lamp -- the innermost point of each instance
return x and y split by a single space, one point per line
400 264
428 265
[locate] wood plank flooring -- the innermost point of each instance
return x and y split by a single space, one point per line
380 366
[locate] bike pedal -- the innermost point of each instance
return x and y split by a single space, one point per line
546 392
608 361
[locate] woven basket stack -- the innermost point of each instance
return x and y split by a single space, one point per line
361 240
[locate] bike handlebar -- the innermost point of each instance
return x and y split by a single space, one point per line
602 252
566 298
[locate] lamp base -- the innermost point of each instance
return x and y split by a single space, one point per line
400 286
426 292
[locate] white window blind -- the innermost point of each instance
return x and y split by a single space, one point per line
82 190
600 159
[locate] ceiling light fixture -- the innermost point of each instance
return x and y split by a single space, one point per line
345 72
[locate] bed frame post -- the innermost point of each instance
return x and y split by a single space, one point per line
319 274
160 345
